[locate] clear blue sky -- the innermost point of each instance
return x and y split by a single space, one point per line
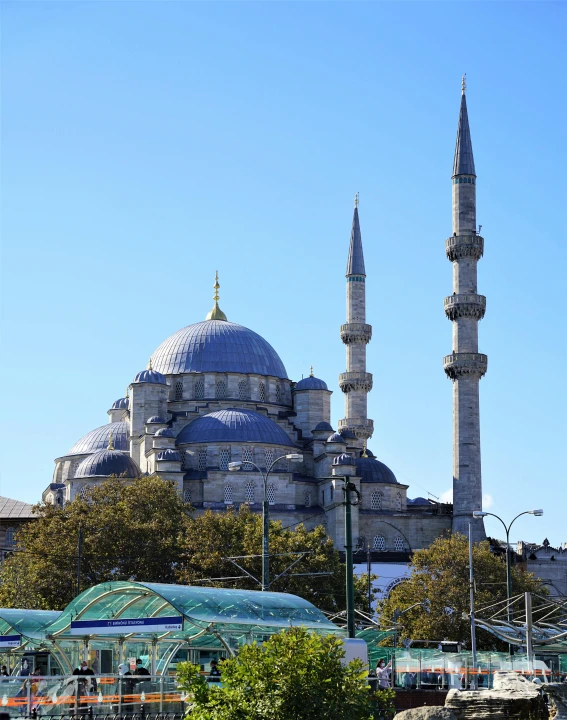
147 144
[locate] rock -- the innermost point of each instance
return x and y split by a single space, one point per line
556 694
512 697
431 712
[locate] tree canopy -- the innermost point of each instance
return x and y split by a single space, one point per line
440 575
295 674
144 531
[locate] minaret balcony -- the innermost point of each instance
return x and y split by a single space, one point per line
465 306
464 246
350 381
356 333
459 365
361 427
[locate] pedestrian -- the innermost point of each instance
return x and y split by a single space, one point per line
215 672
383 674
140 669
4 672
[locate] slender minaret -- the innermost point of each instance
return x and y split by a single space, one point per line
465 366
356 383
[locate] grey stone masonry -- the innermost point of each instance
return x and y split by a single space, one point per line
465 365
356 383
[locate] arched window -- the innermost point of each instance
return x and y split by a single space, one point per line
379 542
199 389
262 392
179 390
243 390
278 393
83 493
248 455
187 495
249 493
220 390
269 458
308 499
202 458
271 495
332 492
398 501
399 543
228 494
224 458
361 542
10 537
376 500
184 460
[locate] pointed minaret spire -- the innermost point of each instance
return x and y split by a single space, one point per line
355 263
356 383
463 163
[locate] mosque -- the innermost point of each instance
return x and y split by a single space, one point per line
215 409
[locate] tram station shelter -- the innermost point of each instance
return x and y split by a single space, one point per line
117 622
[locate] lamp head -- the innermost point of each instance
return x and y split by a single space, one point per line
477 514
236 465
537 513
294 457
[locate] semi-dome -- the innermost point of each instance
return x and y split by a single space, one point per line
169 455
106 463
347 434
150 376
371 470
164 432
155 419
336 438
97 439
344 459
121 404
234 425
217 346
323 426
311 383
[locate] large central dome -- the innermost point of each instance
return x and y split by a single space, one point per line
217 346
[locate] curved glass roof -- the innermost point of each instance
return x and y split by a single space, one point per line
29 623
199 606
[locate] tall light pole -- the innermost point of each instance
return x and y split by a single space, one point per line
232 466
481 514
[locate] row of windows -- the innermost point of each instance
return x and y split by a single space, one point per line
379 543
377 500
459 180
249 494
355 278
248 455
221 390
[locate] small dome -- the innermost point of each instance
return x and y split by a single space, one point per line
419 501
169 455
97 439
336 438
344 459
371 470
234 425
311 383
164 432
121 404
348 434
156 419
322 426
106 463
150 376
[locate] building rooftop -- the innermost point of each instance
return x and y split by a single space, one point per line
14 509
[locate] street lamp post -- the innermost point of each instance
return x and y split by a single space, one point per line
480 514
232 466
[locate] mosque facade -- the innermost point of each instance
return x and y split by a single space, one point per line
216 393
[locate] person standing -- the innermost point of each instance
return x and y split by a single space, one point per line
383 674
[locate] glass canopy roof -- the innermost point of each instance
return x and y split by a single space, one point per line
30 624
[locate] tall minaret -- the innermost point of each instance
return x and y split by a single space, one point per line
465 366
356 383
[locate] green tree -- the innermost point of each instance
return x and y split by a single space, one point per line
295 674
129 531
212 537
440 575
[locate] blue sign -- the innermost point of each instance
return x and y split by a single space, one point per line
125 626
10 641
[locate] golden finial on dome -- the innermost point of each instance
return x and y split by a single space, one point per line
128 391
356 198
216 313
150 364
110 442
311 371
364 453
463 83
